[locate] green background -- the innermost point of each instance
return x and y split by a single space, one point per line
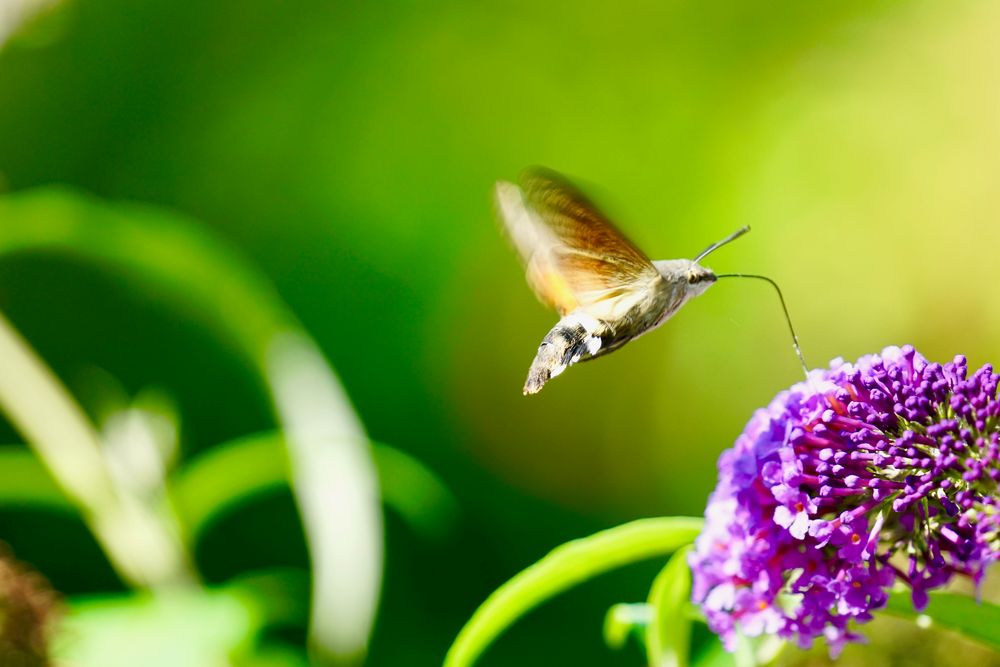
349 149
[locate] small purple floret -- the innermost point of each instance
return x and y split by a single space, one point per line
862 475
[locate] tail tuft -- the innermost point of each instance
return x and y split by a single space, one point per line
548 363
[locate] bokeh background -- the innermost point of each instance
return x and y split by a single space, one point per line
348 150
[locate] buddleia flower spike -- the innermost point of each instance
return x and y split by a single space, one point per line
865 474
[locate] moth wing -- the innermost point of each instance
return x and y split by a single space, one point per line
574 256
536 244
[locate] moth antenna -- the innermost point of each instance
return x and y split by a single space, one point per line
718 244
781 297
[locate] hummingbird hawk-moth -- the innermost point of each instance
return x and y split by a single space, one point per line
605 289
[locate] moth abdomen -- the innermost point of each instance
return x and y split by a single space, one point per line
572 340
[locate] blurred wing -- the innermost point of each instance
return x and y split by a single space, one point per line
575 257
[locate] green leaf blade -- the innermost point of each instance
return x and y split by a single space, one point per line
979 621
668 636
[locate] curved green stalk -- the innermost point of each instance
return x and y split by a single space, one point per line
231 472
564 567
225 475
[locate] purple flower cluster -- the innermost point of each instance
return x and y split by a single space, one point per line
862 475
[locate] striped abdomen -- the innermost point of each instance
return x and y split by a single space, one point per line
579 337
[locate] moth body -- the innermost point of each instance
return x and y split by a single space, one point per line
605 289
579 337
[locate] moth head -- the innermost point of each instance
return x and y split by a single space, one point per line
698 278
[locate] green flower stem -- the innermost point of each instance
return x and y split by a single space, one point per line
564 567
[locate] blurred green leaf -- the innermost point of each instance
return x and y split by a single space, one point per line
229 474
141 545
668 635
334 477
190 627
979 621
623 620
25 481
564 567
169 628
